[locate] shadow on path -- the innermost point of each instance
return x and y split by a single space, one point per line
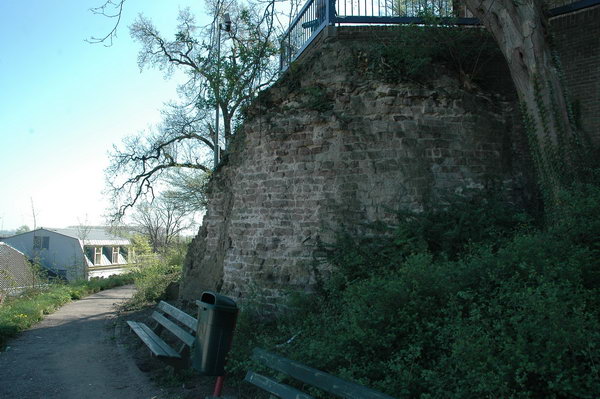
72 354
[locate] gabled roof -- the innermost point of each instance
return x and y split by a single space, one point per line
92 236
87 236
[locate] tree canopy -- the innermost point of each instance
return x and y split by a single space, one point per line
225 69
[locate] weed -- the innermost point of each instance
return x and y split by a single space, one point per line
316 98
416 49
152 280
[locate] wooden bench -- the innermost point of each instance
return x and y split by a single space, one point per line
307 375
181 325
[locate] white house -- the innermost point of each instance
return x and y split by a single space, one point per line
75 253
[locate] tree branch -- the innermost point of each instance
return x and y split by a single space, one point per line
102 10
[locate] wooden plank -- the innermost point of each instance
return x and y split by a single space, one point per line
174 328
153 342
179 315
317 378
276 388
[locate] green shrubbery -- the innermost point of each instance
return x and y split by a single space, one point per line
153 278
416 50
20 313
82 288
468 302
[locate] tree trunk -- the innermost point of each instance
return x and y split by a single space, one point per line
521 30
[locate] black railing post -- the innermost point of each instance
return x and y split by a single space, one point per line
330 12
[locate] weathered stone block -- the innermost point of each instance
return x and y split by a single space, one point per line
299 178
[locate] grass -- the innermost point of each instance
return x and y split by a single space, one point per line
20 313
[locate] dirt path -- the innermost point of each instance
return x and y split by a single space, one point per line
72 354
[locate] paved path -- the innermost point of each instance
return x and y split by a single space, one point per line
72 354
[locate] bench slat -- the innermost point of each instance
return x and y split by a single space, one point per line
157 346
178 315
187 338
317 378
281 390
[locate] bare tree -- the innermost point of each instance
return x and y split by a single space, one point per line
226 80
34 214
188 187
162 221
83 229
23 229
145 159
113 10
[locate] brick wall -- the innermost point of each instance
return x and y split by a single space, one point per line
328 147
577 38
296 174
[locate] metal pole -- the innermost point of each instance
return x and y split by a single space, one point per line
218 386
216 136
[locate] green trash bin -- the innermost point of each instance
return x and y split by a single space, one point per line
216 321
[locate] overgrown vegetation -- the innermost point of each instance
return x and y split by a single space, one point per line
315 98
467 302
20 313
560 156
153 279
416 50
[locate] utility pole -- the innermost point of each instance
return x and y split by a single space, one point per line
226 26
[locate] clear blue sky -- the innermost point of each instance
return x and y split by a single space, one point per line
64 103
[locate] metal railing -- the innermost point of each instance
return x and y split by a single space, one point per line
559 7
312 19
317 14
395 10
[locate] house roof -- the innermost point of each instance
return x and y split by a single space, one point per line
92 236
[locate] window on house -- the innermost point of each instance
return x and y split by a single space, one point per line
40 242
124 252
115 255
129 255
97 255
89 254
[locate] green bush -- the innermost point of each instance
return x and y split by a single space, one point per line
479 218
152 280
466 302
415 51
82 288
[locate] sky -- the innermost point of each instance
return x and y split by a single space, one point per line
64 103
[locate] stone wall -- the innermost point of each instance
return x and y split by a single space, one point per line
329 147
577 38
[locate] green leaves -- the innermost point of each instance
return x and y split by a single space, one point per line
426 309
416 49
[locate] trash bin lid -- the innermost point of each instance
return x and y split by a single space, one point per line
213 300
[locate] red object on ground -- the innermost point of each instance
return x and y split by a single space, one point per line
218 386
